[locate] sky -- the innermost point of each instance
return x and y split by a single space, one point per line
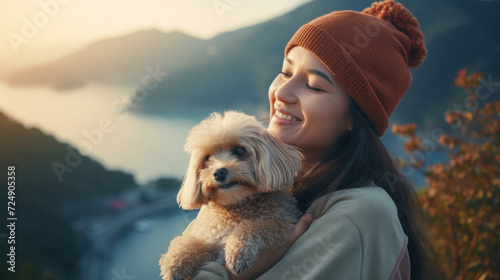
34 32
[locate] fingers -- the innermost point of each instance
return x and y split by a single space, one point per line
301 227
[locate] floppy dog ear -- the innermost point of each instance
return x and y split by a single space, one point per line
276 163
190 195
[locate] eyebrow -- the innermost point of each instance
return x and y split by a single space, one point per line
321 74
314 71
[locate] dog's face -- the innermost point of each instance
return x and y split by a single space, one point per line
232 157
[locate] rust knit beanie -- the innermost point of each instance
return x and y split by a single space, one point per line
370 53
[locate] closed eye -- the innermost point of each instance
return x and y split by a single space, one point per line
314 89
285 74
307 85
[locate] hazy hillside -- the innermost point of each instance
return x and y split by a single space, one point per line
43 236
34 152
235 69
116 60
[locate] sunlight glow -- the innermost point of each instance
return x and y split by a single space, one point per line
38 31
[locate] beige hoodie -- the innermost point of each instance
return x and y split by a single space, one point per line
357 235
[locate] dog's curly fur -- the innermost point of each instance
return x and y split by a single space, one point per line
240 176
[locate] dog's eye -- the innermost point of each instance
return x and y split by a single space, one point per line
239 151
207 157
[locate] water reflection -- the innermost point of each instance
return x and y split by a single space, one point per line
137 252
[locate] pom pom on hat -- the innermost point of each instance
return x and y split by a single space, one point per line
369 53
403 19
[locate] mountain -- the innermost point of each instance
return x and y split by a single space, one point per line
43 235
57 172
235 69
119 60
458 34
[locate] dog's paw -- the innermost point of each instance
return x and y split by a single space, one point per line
239 266
239 259
171 270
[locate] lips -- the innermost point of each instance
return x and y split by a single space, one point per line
282 115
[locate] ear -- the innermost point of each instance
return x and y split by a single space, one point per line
190 195
276 163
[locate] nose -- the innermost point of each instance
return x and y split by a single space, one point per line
285 91
220 174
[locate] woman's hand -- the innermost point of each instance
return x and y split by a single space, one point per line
270 258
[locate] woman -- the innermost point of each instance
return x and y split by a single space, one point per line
343 75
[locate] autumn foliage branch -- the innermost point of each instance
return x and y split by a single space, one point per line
461 200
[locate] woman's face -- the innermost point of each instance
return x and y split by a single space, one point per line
309 108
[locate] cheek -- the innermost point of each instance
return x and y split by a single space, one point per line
272 88
330 118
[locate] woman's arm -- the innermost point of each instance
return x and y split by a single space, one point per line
358 237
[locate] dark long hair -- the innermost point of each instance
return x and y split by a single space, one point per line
359 157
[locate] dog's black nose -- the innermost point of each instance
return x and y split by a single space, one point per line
220 174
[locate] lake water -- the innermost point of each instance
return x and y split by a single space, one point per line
148 146
136 253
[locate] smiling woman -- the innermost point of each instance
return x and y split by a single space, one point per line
343 75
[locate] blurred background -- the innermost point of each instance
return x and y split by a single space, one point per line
97 98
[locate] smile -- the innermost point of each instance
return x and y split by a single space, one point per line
286 117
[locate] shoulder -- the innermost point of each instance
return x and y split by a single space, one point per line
365 207
370 209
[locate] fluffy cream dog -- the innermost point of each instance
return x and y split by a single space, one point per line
240 176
